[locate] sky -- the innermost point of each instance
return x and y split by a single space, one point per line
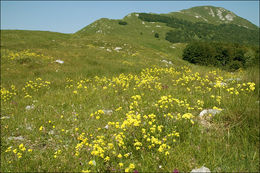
71 16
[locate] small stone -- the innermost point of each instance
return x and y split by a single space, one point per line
59 61
29 107
167 62
20 138
204 119
202 169
51 132
209 111
118 48
108 112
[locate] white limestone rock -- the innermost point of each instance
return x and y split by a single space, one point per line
59 61
29 107
19 138
209 111
201 169
108 112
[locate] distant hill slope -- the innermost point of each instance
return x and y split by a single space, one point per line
206 23
212 15
24 39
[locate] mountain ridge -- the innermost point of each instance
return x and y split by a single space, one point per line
207 14
213 15
210 23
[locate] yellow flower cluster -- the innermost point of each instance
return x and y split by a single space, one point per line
18 151
58 152
130 167
97 114
149 132
34 86
241 88
7 95
144 122
26 54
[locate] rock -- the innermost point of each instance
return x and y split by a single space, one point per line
108 112
209 111
167 62
59 61
51 132
28 127
118 48
29 107
202 169
20 138
205 120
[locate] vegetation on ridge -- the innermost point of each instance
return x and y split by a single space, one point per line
185 31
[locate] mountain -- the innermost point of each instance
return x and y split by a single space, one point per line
212 15
205 23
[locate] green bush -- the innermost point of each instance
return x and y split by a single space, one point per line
235 65
156 35
122 22
222 55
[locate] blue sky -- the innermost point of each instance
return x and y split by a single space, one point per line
69 16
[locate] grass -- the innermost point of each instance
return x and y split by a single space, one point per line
121 110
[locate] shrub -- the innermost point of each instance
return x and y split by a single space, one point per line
235 65
223 55
122 22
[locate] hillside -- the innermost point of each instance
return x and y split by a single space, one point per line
117 96
212 15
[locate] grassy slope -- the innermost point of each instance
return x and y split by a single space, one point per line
232 143
85 49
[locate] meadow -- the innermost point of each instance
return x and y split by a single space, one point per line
135 113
